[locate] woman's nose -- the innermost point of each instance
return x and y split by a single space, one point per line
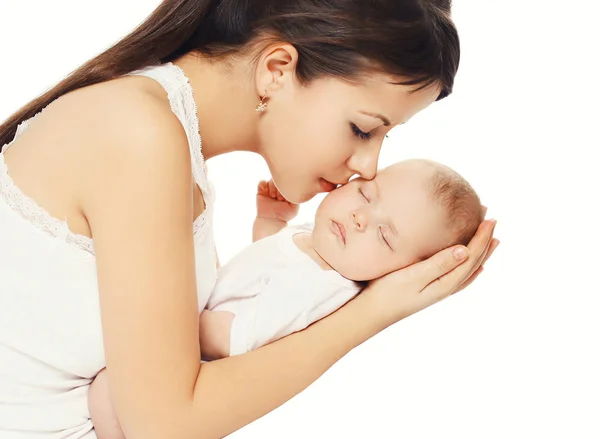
365 163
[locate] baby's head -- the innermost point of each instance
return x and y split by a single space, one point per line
409 212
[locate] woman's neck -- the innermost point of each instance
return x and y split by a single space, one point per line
225 100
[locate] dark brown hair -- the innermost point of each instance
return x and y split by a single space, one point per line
414 40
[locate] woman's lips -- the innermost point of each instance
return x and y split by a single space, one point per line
339 230
327 186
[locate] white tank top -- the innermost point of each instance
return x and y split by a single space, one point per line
51 343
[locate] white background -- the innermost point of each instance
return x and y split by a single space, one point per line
517 354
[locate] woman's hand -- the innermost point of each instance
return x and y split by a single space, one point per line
271 205
407 291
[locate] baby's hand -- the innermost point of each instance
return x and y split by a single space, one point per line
271 205
102 412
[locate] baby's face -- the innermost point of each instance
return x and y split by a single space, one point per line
367 229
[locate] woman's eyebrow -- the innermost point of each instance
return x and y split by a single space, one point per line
385 120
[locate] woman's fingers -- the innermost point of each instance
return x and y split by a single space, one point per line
485 255
427 282
493 246
400 293
437 266
448 282
481 258
470 280
480 244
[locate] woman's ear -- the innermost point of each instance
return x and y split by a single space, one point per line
276 69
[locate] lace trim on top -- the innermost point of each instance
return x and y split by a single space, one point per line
190 115
183 105
30 210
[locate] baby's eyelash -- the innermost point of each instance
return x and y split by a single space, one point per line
362 194
360 133
384 239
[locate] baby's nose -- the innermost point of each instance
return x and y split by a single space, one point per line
360 220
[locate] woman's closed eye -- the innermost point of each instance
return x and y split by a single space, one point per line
360 133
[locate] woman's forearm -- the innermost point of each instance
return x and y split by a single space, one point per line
232 392
235 391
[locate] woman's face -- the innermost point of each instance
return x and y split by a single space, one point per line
320 135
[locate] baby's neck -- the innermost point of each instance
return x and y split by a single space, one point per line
304 242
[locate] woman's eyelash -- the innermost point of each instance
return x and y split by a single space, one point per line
359 133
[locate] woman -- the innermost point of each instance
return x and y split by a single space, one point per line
116 155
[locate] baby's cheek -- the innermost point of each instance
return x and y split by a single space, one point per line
363 263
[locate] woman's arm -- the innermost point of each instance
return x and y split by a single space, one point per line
137 197
275 373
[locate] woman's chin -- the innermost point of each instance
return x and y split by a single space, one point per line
301 198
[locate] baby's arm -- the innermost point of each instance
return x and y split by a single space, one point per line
104 418
215 329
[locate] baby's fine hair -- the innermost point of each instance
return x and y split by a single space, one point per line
460 202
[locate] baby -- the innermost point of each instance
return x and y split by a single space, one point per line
293 276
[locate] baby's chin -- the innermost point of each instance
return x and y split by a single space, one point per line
357 274
361 268
352 267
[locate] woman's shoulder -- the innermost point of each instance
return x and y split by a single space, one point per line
124 122
88 142
119 112
128 119
121 131
137 150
